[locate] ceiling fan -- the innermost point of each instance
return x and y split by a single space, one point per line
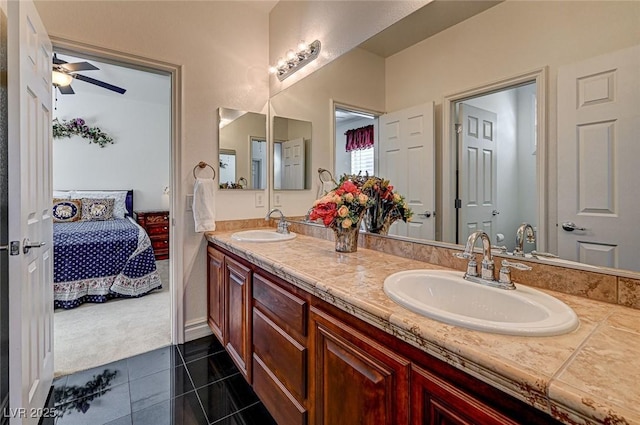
64 72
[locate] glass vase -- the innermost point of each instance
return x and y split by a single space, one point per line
347 239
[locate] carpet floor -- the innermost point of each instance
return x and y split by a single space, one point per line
96 334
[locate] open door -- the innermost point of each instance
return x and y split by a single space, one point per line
30 221
407 160
598 151
478 185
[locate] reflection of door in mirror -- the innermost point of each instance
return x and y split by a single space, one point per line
227 166
497 164
291 154
258 163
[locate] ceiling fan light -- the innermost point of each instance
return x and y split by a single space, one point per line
61 79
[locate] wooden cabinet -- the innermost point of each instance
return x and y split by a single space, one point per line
237 314
356 380
215 292
437 402
312 363
156 223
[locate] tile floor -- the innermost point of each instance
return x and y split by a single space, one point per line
188 384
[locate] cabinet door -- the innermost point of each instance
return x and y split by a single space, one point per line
356 380
215 292
436 402
237 333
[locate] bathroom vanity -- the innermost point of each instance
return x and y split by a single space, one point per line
314 334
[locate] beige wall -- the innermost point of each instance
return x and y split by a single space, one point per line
222 48
237 136
506 40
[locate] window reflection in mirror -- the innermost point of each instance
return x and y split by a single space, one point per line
243 149
356 139
291 154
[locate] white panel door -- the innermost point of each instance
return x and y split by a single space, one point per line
30 191
407 160
293 164
598 151
478 181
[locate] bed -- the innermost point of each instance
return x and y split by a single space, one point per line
97 260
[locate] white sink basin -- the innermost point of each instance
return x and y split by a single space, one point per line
262 236
447 297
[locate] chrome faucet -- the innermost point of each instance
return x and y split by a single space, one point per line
283 226
307 216
486 275
524 230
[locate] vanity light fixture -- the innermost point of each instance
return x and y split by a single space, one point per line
293 61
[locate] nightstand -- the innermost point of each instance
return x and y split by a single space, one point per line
156 223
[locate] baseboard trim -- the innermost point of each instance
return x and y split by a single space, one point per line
197 328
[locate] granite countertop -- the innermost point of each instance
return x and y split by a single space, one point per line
590 375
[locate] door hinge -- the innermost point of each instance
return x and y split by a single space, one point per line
458 128
457 203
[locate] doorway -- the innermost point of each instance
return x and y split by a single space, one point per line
534 150
140 159
496 163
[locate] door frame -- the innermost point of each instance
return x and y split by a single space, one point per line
176 234
336 104
447 222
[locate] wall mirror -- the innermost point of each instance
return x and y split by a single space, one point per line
500 43
291 154
243 149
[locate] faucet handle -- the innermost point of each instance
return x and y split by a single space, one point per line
513 264
543 254
505 272
502 248
463 255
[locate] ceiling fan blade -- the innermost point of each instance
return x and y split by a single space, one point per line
57 61
79 66
65 90
100 83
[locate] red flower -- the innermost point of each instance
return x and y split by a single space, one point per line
327 212
348 186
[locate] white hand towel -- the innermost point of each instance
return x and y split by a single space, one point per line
204 209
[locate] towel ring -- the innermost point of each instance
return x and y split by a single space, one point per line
203 164
321 171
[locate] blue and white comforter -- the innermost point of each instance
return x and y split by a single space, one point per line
94 261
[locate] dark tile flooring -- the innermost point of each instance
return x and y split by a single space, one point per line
191 384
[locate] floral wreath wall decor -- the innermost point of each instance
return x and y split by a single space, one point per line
77 127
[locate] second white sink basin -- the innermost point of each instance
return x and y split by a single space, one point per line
445 296
262 236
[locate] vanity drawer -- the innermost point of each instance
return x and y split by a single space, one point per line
285 309
285 357
284 408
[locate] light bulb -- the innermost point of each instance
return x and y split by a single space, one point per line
281 62
291 55
61 79
302 46
273 70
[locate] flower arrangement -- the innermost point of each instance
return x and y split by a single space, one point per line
77 127
342 207
387 205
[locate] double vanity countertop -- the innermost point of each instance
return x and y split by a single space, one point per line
590 375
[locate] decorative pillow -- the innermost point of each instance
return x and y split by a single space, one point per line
66 210
119 196
97 209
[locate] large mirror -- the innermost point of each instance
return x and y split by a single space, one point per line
291 154
243 149
517 52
